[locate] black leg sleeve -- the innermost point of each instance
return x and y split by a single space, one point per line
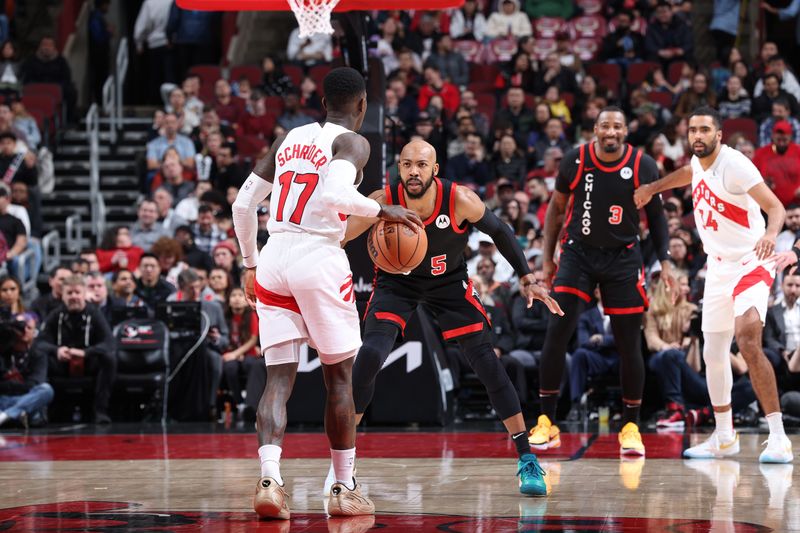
485 363
628 338
559 332
376 347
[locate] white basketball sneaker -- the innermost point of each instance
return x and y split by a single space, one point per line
713 447
778 450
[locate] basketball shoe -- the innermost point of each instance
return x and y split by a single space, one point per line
545 435
778 450
344 501
630 440
531 476
630 471
674 419
271 500
713 447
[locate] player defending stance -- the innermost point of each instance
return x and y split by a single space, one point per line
441 282
298 276
594 186
729 195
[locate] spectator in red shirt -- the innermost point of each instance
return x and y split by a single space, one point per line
434 84
230 109
779 163
259 122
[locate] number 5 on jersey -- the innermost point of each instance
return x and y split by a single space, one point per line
287 179
438 265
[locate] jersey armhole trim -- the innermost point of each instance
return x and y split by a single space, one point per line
636 168
579 173
387 190
453 223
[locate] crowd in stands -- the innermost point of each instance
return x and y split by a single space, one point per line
503 91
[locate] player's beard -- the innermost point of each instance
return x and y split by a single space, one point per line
611 148
426 184
708 149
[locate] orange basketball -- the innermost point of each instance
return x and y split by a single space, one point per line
395 248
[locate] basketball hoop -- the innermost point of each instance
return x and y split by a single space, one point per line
313 16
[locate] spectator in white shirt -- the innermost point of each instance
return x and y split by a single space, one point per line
150 35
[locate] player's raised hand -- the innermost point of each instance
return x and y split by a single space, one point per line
248 282
765 247
397 213
642 196
783 260
533 291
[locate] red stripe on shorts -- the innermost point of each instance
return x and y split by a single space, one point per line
391 317
572 290
752 278
452 333
276 300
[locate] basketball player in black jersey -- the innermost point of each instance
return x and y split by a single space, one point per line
600 245
441 282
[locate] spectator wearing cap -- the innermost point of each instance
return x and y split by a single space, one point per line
436 85
432 132
762 104
647 124
206 232
16 166
779 162
451 64
470 167
147 229
509 161
503 193
776 65
224 257
170 138
780 112
508 21
668 38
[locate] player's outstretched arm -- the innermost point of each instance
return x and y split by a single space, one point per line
471 208
357 225
350 154
679 178
255 189
776 214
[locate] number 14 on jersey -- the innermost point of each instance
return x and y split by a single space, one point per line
708 219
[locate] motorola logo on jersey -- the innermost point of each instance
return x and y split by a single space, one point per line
586 217
442 221
626 173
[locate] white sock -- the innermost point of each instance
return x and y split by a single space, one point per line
775 421
724 425
271 462
343 462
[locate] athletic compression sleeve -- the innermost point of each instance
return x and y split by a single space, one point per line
245 220
505 241
341 196
658 226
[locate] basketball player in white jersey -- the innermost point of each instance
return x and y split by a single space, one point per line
301 283
729 195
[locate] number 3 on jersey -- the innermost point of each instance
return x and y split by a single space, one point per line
287 179
616 214
709 221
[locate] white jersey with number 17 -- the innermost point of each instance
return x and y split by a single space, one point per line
728 219
301 169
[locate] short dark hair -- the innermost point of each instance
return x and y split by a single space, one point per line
775 58
793 205
7 135
782 100
231 146
115 275
771 75
148 254
612 109
707 111
343 86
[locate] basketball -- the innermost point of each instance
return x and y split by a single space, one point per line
395 248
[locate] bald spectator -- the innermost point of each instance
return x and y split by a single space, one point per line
779 162
170 138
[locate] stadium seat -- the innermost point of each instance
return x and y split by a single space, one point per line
591 7
586 49
745 126
471 50
209 74
318 73
249 146
483 73
588 26
43 103
482 87
675 69
548 27
542 47
251 72
607 74
637 72
664 99
51 89
502 49
295 74
487 103
569 99
274 102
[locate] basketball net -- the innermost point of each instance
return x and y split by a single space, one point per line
313 16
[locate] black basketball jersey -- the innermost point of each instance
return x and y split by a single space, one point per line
446 241
601 211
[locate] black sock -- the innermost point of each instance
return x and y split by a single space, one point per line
549 404
630 412
521 442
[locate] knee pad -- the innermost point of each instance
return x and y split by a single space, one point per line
283 353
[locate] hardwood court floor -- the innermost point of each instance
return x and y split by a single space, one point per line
419 481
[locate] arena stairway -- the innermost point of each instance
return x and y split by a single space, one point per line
119 180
